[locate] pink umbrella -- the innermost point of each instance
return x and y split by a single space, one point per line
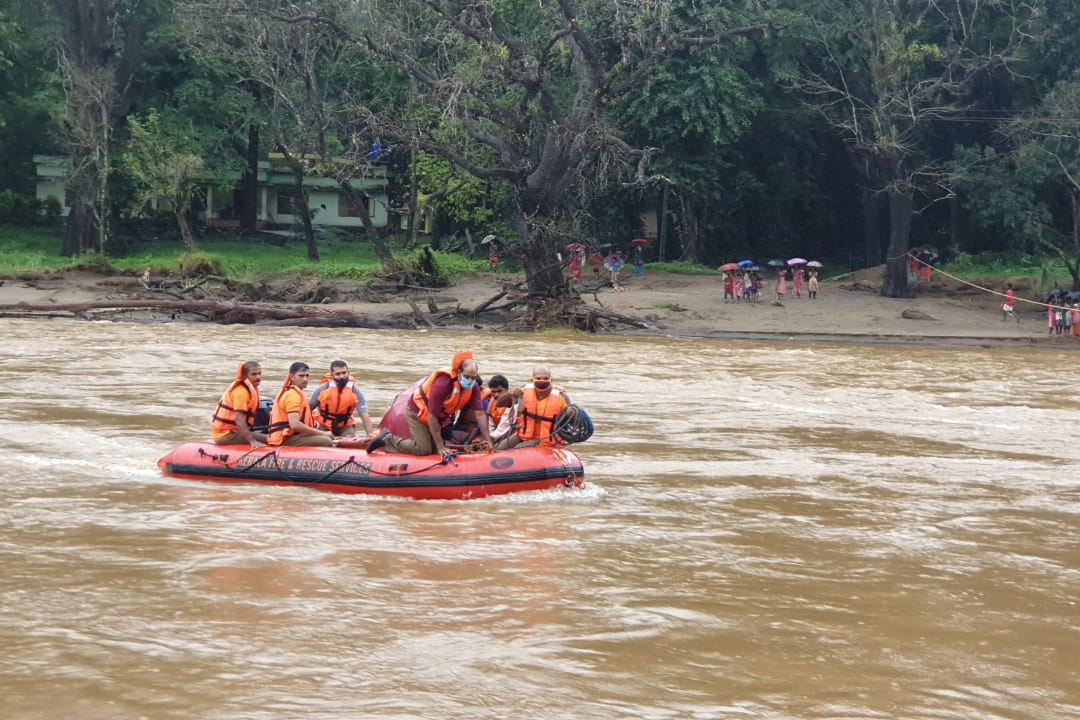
796 261
726 267
639 241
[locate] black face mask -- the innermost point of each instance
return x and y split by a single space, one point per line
541 384
341 382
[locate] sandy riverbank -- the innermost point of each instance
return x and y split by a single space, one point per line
847 309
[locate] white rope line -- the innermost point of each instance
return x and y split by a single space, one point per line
980 287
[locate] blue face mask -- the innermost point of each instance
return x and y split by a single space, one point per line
466 383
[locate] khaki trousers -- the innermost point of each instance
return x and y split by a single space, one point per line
419 444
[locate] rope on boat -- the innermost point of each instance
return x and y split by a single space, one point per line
342 466
572 425
373 471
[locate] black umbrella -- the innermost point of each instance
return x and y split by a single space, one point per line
1072 296
1053 294
927 253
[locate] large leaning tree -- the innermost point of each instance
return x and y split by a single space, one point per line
883 72
99 57
520 91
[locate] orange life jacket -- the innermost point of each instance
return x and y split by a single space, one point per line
493 411
536 421
337 405
279 419
224 418
455 400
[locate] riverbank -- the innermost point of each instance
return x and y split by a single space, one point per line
847 309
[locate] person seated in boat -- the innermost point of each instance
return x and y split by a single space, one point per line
337 399
541 402
500 418
234 418
291 419
432 407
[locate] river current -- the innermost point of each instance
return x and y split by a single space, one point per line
768 530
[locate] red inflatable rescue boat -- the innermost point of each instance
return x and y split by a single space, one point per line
337 469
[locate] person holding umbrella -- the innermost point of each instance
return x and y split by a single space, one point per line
577 257
493 251
729 270
614 263
798 277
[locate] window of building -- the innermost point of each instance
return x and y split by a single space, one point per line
286 202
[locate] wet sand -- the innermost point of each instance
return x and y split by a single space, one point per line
848 308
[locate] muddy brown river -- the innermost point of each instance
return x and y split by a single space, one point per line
768 530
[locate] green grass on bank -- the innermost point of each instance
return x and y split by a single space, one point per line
37 249
24 250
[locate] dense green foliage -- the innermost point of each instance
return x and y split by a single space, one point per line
845 130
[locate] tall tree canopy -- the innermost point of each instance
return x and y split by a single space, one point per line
886 69
522 92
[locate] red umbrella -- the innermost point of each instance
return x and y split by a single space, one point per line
639 241
727 267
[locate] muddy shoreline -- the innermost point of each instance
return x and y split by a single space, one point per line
848 310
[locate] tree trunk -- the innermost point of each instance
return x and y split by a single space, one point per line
1074 266
301 208
544 275
872 203
691 226
185 227
248 205
359 200
80 230
895 284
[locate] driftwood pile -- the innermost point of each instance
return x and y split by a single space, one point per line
209 298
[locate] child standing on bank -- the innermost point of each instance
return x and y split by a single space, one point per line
811 288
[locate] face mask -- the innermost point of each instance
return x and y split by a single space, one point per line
541 384
341 382
466 383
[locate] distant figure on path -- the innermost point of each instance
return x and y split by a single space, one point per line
596 260
1008 307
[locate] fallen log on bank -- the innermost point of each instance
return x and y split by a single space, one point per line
214 311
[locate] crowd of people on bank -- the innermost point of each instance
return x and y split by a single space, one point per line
749 284
448 410
613 262
1063 319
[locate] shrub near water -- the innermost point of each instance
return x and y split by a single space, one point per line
28 210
